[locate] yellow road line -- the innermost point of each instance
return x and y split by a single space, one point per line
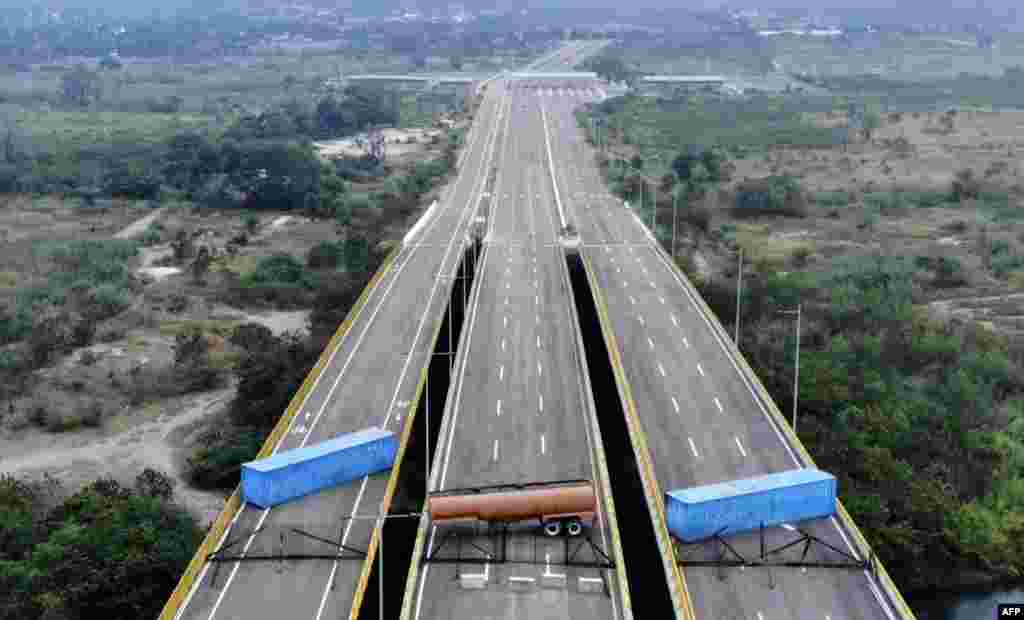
234 502
684 607
862 544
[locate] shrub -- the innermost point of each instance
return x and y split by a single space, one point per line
251 222
774 195
153 483
280 270
832 199
217 461
324 255
965 185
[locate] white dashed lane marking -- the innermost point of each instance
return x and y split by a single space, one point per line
499 407
540 401
740 446
495 450
661 369
501 373
718 404
700 369
693 447
674 321
675 403
650 342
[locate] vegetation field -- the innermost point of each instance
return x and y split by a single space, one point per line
902 244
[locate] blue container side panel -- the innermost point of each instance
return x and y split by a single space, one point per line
773 504
275 486
748 486
324 448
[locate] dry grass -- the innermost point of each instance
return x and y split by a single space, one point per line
8 279
225 360
767 251
220 327
1016 280
239 265
136 343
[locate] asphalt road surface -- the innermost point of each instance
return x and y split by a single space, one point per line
517 414
702 423
368 382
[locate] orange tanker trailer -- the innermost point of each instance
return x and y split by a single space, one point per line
558 506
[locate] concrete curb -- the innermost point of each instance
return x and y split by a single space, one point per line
766 401
219 527
680 593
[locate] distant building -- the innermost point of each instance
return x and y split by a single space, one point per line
677 85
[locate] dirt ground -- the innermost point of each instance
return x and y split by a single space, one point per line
153 436
400 143
988 143
155 433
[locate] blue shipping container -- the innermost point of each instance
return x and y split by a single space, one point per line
294 473
744 505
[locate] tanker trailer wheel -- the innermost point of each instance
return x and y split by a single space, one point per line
573 527
553 528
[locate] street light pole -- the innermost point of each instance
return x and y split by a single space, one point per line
675 219
739 286
796 362
796 372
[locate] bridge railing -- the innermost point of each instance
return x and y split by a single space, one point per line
215 535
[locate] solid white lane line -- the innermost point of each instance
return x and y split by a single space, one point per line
693 447
661 369
650 342
674 321
501 373
718 403
499 407
543 447
495 450
675 403
740 446
700 369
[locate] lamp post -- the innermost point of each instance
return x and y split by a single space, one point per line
796 371
675 219
739 286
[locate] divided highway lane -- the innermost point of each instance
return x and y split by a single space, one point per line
702 423
517 414
368 382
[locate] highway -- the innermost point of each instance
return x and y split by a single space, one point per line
518 409
702 422
369 381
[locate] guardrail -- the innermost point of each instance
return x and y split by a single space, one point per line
234 503
680 593
761 394
598 448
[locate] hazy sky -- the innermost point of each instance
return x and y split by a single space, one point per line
904 11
